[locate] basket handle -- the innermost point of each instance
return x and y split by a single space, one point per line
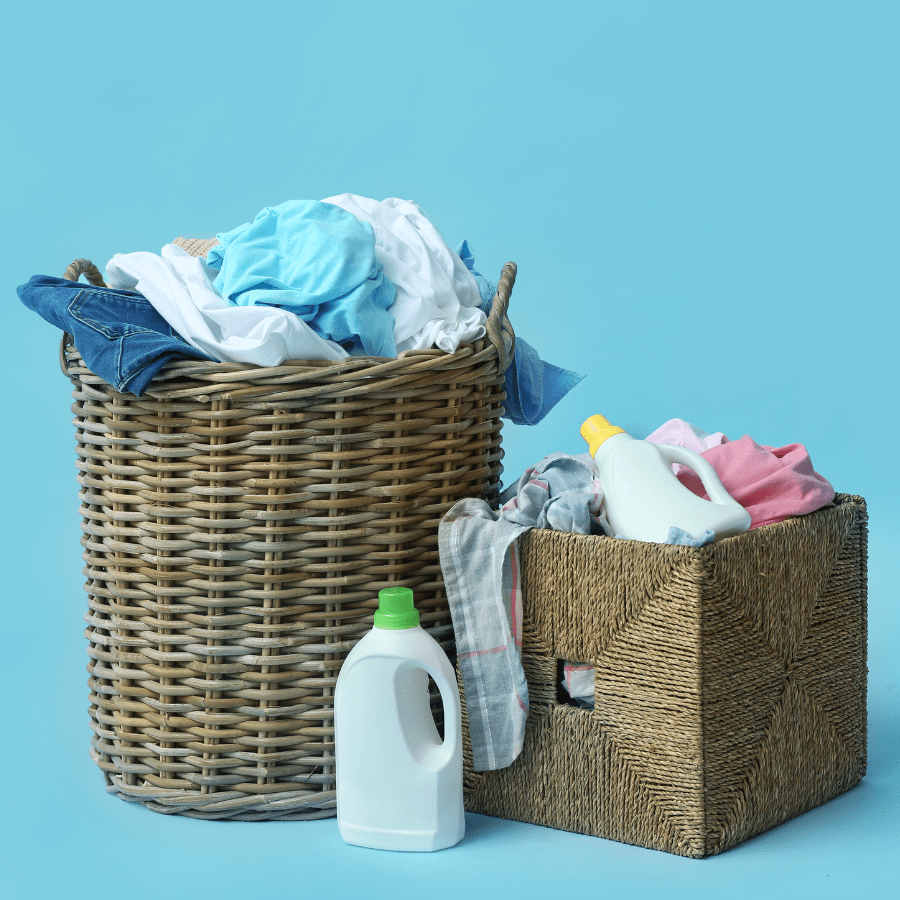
499 330
84 267
73 272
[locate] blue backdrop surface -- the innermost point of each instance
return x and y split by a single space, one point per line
702 201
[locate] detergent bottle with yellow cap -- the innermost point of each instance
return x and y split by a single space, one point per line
399 786
643 498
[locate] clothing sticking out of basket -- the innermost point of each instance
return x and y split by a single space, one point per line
181 288
437 302
319 262
533 386
125 340
479 559
321 281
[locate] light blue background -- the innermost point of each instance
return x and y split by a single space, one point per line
702 198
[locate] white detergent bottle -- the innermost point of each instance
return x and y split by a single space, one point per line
644 498
399 787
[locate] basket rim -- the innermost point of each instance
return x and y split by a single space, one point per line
499 337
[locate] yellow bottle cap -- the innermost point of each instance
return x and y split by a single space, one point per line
596 430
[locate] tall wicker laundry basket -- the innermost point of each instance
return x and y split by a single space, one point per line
238 522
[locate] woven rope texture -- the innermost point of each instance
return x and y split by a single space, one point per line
730 683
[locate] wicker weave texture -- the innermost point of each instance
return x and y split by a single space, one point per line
238 523
730 685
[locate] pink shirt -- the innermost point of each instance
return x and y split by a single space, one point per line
771 483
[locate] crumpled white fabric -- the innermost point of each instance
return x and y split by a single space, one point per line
181 289
437 300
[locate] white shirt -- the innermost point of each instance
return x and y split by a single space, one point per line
180 288
437 300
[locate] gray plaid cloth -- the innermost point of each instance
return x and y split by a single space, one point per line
480 564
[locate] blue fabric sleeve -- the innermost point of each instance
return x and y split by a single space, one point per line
533 387
317 261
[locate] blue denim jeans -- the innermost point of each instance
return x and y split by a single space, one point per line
119 334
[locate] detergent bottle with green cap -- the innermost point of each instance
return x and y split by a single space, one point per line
399 786
643 498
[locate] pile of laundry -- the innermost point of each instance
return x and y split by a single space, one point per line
480 561
306 280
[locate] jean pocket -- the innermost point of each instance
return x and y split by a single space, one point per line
102 312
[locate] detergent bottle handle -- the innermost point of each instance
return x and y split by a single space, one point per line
446 684
452 730
704 470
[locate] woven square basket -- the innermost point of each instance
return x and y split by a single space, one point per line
730 683
238 523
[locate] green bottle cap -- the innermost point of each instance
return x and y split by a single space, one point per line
395 609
